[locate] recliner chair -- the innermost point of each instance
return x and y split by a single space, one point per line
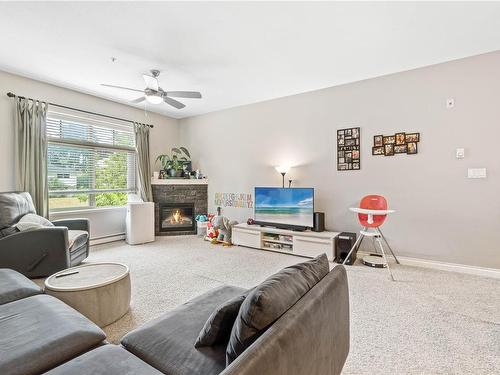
39 252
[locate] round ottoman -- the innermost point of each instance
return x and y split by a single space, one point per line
100 291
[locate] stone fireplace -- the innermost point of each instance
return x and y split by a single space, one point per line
177 203
175 217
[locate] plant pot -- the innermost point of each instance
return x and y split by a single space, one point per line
179 173
171 172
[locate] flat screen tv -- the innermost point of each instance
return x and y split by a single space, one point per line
284 207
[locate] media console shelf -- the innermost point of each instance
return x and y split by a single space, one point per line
307 243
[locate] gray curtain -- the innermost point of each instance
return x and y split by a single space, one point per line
31 151
143 164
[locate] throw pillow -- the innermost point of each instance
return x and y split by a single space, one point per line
32 221
268 301
218 326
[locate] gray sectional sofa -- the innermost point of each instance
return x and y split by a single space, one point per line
39 333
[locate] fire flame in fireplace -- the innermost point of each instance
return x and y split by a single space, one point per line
176 217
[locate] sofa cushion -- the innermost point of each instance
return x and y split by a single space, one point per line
14 286
105 360
167 342
271 299
77 238
13 206
218 326
41 332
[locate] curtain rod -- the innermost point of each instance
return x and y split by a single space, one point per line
11 95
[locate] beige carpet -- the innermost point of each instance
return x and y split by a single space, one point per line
428 322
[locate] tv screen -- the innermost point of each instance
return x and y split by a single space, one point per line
285 206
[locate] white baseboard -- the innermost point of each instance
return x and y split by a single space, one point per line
106 239
444 266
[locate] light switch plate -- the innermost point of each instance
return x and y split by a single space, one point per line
460 153
450 103
476 173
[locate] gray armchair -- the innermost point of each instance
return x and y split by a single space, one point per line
39 252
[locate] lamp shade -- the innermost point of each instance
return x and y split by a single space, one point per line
282 169
154 99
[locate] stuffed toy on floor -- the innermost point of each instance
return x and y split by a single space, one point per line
222 228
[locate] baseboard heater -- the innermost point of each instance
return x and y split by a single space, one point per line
106 239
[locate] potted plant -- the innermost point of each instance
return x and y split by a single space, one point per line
175 164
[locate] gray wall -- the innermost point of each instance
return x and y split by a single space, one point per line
441 215
164 135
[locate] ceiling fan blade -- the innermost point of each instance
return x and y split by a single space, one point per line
173 102
138 100
121 87
184 94
151 82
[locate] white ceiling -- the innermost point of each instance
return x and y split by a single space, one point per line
235 53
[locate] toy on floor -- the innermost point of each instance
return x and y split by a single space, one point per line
201 218
223 228
212 233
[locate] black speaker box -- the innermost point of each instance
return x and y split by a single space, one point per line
343 244
319 222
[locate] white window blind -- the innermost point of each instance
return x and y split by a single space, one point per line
91 160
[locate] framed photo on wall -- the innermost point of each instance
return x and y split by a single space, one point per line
412 137
412 148
400 149
389 149
400 138
390 139
399 143
348 149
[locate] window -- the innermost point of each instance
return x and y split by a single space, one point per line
91 161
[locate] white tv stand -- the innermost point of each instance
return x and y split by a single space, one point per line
307 243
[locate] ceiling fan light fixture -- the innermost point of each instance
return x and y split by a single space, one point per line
154 94
154 99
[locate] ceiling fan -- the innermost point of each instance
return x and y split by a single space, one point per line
154 94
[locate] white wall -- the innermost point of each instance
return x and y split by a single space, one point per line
164 135
441 215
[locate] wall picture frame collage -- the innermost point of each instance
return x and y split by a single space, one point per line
399 143
348 149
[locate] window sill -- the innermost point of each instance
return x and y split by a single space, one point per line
86 211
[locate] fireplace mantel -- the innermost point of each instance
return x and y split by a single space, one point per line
179 181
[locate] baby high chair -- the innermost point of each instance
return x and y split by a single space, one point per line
372 212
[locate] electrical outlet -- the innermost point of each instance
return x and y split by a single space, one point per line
460 153
450 103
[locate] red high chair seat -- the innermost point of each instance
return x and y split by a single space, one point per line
372 202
